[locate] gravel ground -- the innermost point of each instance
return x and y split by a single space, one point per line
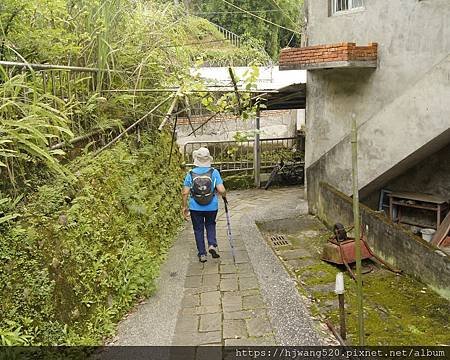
289 315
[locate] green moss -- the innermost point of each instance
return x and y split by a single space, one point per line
399 310
321 274
238 182
87 249
314 309
411 313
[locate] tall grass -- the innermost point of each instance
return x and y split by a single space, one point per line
29 121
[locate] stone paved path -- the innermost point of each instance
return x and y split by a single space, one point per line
252 302
222 301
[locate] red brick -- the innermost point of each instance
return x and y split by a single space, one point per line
328 53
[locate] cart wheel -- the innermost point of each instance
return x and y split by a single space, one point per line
272 177
339 231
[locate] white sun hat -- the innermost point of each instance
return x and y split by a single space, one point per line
202 157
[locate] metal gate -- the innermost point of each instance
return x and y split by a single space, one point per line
239 156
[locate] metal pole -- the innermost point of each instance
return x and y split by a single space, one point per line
343 328
339 289
257 150
359 292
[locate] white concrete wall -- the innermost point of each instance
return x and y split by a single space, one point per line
401 107
270 77
274 124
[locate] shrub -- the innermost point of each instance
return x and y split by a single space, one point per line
86 249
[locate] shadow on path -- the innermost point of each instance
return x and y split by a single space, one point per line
252 302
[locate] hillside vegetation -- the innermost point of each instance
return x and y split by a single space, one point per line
273 23
82 236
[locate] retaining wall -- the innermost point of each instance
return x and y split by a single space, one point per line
390 241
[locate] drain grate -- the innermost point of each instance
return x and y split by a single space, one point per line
279 240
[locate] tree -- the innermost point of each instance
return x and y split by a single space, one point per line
285 13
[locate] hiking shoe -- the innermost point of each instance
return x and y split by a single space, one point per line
202 258
213 252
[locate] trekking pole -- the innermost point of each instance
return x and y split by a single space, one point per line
230 238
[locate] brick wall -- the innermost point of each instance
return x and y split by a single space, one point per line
327 53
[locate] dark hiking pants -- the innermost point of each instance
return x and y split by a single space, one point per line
202 220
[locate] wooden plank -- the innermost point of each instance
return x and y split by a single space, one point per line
422 207
418 197
442 231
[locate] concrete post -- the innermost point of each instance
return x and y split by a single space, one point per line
257 150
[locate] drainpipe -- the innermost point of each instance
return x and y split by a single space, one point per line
359 290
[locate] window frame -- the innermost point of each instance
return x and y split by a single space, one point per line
350 10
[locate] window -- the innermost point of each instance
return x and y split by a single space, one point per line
346 5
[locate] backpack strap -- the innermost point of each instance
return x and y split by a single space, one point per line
210 172
192 177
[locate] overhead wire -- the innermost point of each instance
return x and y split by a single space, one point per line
234 12
284 12
261 18
195 43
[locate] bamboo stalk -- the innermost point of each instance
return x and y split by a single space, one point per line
211 89
118 137
80 138
173 137
236 90
169 112
188 114
359 289
209 119
335 333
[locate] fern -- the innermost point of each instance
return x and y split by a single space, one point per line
29 122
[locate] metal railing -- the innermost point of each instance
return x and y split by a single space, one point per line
238 156
59 80
233 38
236 39
72 84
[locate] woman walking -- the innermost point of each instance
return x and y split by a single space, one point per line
201 186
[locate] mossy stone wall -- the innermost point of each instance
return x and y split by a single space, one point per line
86 249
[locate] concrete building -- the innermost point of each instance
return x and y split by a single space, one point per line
398 88
282 120
396 82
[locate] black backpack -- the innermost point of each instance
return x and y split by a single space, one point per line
202 189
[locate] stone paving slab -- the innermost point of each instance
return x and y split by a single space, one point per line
244 302
252 302
234 329
255 341
215 293
258 326
210 322
223 298
210 298
208 309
